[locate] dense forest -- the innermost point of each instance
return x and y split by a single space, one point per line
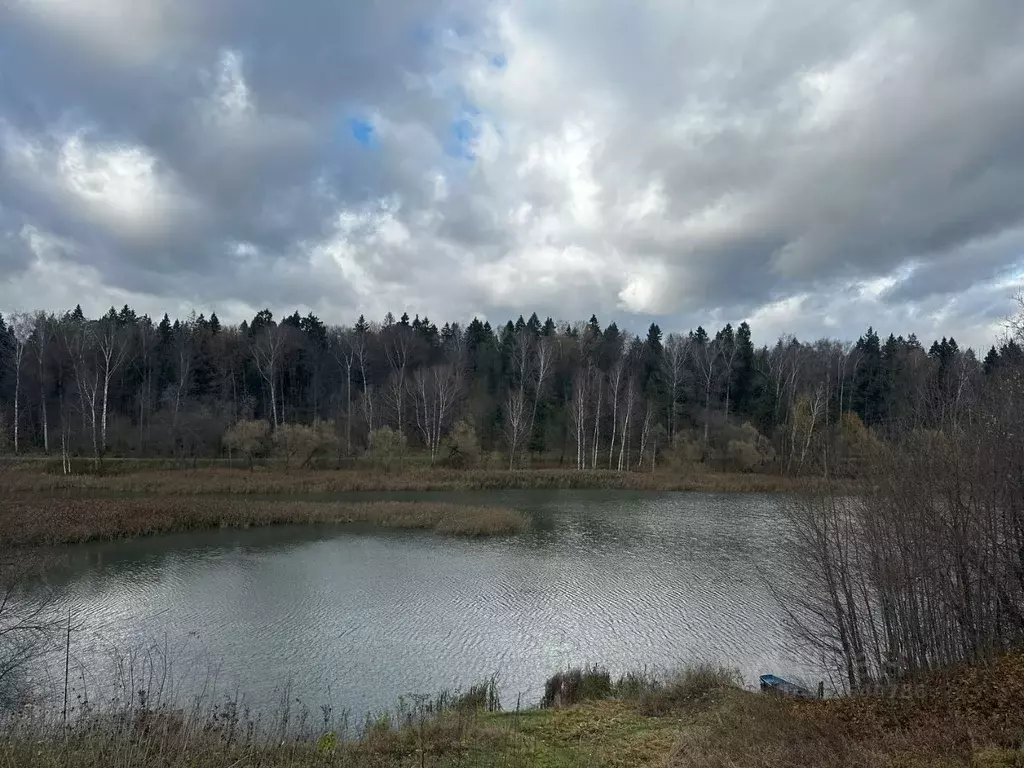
580 395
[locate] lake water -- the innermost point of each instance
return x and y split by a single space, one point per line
356 619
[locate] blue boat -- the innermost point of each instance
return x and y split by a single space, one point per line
773 684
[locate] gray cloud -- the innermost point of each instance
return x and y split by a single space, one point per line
639 162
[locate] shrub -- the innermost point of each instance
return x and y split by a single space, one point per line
386 445
298 444
463 446
747 449
687 448
688 685
856 443
248 437
564 689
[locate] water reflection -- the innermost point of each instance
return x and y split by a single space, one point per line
624 579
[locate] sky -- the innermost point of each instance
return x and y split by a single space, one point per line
810 166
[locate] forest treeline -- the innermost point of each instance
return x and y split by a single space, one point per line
581 395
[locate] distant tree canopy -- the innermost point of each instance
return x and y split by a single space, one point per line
582 394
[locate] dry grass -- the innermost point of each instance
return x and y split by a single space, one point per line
267 481
972 717
48 521
227 737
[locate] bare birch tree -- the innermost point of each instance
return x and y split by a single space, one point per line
184 350
707 358
143 364
267 351
627 414
112 348
342 345
677 353
361 350
614 394
42 335
541 370
436 392
645 434
21 325
397 346
515 423
578 415
78 339
728 351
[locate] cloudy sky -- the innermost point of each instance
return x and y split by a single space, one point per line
812 166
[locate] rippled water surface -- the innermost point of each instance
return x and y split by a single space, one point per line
357 619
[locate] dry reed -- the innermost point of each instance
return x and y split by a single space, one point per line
49 520
269 481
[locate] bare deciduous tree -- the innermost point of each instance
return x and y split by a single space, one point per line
397 346
43 332
677 353
29 624
112 348
615 378
541 370
78 339
627 415
21 325
342 345
184 350
435 393
267 350
922 569
707 357
578 415
515 424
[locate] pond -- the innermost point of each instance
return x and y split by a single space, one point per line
356 619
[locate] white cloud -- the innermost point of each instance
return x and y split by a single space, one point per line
645 290
118 186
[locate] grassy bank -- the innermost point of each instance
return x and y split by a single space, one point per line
29 520
698 717
214 480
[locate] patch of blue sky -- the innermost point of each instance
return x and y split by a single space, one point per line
462 132
362 131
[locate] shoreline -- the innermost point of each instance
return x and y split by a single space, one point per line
697 716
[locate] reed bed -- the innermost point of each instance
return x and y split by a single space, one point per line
140 731
52 520
262 481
